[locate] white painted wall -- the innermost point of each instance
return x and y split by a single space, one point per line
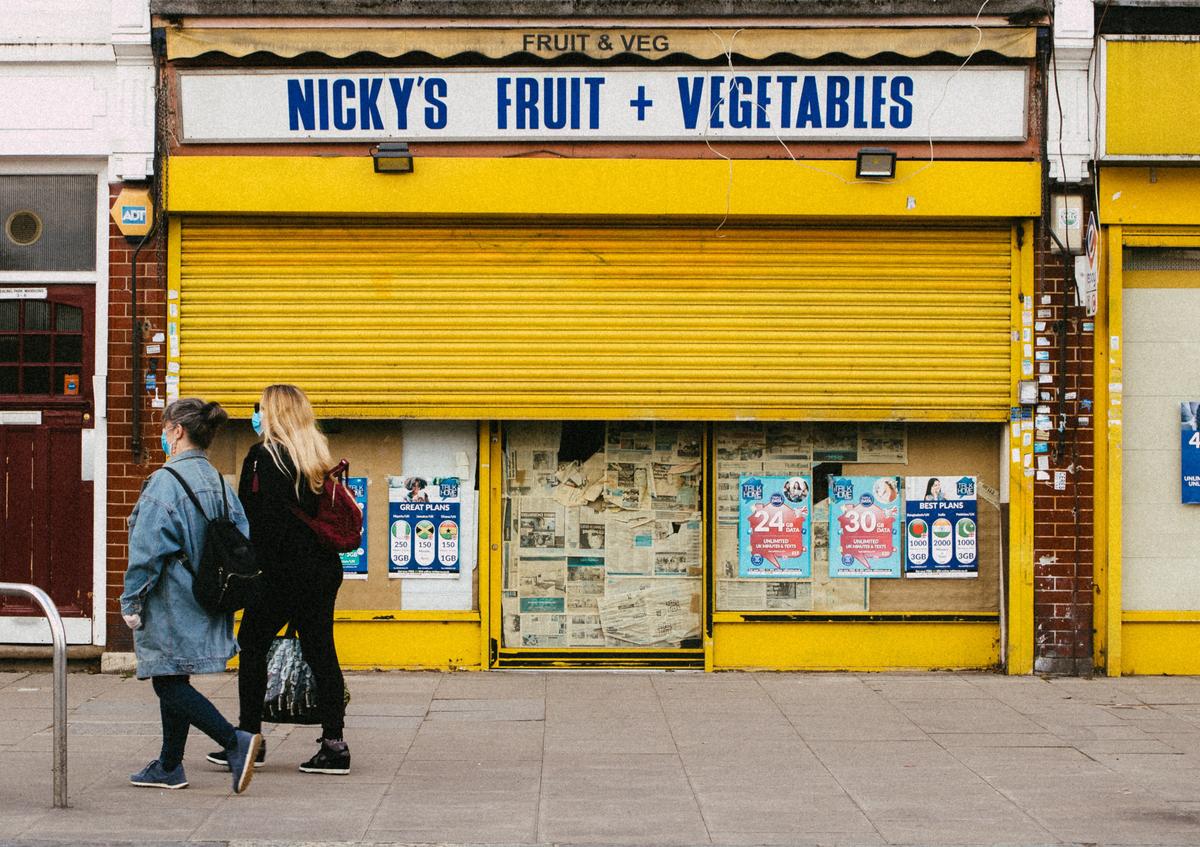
1070 130
1160 537
78 83
78 78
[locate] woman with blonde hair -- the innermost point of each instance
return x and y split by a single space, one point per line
283 472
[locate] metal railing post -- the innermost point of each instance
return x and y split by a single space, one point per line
58 635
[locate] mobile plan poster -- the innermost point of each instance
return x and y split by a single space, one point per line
354 563
774 528
424 519
942 531
864 527
1189 457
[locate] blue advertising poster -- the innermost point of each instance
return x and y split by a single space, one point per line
354 563
774 527
1189 446
864 527
424 523
942 529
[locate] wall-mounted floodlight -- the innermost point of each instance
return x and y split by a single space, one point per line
392 157
875 163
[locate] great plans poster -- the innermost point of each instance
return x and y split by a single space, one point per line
942 529
424 519
864 526
775 527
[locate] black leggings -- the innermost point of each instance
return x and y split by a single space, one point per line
312 616
182 706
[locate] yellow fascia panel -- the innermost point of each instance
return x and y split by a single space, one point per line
1166 647
408 644
1145 195
855 646
348 185
1151 99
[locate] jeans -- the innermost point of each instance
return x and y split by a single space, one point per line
181 707
312 617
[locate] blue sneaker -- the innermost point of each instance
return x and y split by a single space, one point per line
241 759
154 776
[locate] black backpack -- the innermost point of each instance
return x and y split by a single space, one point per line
228 577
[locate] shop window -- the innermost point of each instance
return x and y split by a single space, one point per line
603 535
41 348
842 517
418 485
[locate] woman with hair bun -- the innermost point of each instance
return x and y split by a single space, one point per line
173 636
284 472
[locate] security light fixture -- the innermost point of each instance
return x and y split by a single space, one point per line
875 163
392 157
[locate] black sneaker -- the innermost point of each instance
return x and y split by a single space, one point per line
221 757
333 757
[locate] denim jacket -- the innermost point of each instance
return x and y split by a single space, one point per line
176 636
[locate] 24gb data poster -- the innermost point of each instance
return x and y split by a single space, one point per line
354 563
942 527
864 527
424 519
1189 455
774 527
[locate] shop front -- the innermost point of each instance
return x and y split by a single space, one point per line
1150 251
611 399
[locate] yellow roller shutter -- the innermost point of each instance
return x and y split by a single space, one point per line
388 320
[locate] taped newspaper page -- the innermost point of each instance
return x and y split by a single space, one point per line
630 543
585 584
541 526
653 612
835 442
585 531
883 443
538 630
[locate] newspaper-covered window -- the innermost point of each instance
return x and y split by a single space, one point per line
602 535
811 517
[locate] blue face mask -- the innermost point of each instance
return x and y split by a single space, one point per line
166 445
256 422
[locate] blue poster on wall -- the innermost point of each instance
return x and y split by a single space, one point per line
774 527
941 527
354 563
1189 455
424 523
864 527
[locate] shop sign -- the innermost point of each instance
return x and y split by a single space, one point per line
354 563
942 527
774 527
881 104
1189 446
424 523
864 526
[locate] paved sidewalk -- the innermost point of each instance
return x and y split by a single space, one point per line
640 758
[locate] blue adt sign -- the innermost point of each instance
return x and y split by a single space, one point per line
1189 452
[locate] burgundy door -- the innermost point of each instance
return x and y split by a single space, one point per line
45 405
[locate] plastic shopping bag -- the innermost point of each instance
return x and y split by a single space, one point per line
291 687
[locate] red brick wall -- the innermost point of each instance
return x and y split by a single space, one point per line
1063 524
124 474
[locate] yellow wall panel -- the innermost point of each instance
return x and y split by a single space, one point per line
1151 103
1160 647
857 646
379 319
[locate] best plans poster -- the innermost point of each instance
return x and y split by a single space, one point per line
942 531
864 526
774 527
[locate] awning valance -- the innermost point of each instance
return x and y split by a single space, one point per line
189 42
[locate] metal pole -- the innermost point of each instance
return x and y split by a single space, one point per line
58 635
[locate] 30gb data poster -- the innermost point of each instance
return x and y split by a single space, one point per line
864 527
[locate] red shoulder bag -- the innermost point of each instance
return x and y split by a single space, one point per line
338 522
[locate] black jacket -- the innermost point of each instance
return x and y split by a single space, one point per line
292 558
